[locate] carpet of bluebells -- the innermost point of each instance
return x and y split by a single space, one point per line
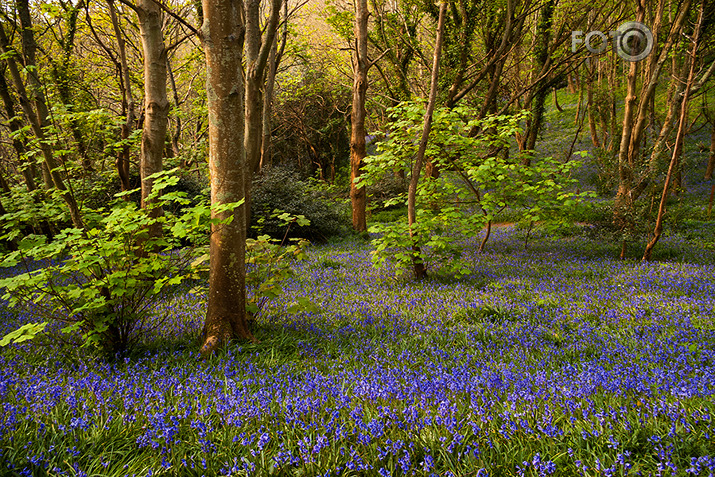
556 360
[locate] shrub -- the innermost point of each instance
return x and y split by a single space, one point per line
281 189
103 281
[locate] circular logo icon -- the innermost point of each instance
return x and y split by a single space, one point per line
634 41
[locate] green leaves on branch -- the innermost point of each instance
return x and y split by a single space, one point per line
24 333
106 280
268 263
479 177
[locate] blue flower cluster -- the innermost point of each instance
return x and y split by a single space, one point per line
552 361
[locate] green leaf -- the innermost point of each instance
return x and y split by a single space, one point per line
24 333
303 304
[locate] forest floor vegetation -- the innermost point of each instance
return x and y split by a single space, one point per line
552 360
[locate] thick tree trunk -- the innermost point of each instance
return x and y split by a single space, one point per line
418 266
156 102
223 36
358 195
128 103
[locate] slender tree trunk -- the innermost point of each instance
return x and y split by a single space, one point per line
176 137
635 118
266 152
573 83
711 160
64 80
556 101
15 124
675 105
34 86
223 36
128 103
542 60
579 105
358 195
156 102
418 266
258 46
623 203
677 150
37 117
274 60
591 106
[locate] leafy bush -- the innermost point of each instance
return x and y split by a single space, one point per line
102 282
385 188
281 189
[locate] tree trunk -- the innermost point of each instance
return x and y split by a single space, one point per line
541 55
37 117
274 60
223 36
623 203
358 195
34 87
63 80
711 160
266 152
128 103
176 137
677 150
156 102
14 124
418 266
634 119
258 47
556 101
590 106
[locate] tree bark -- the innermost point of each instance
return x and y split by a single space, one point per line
274 60
14 124
176 137
556 101
223 33
634 120
64 79
678 148
258 43
156 102
711 160
418 266
358 195
590 106
128 103
623 202
37 117
542 57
